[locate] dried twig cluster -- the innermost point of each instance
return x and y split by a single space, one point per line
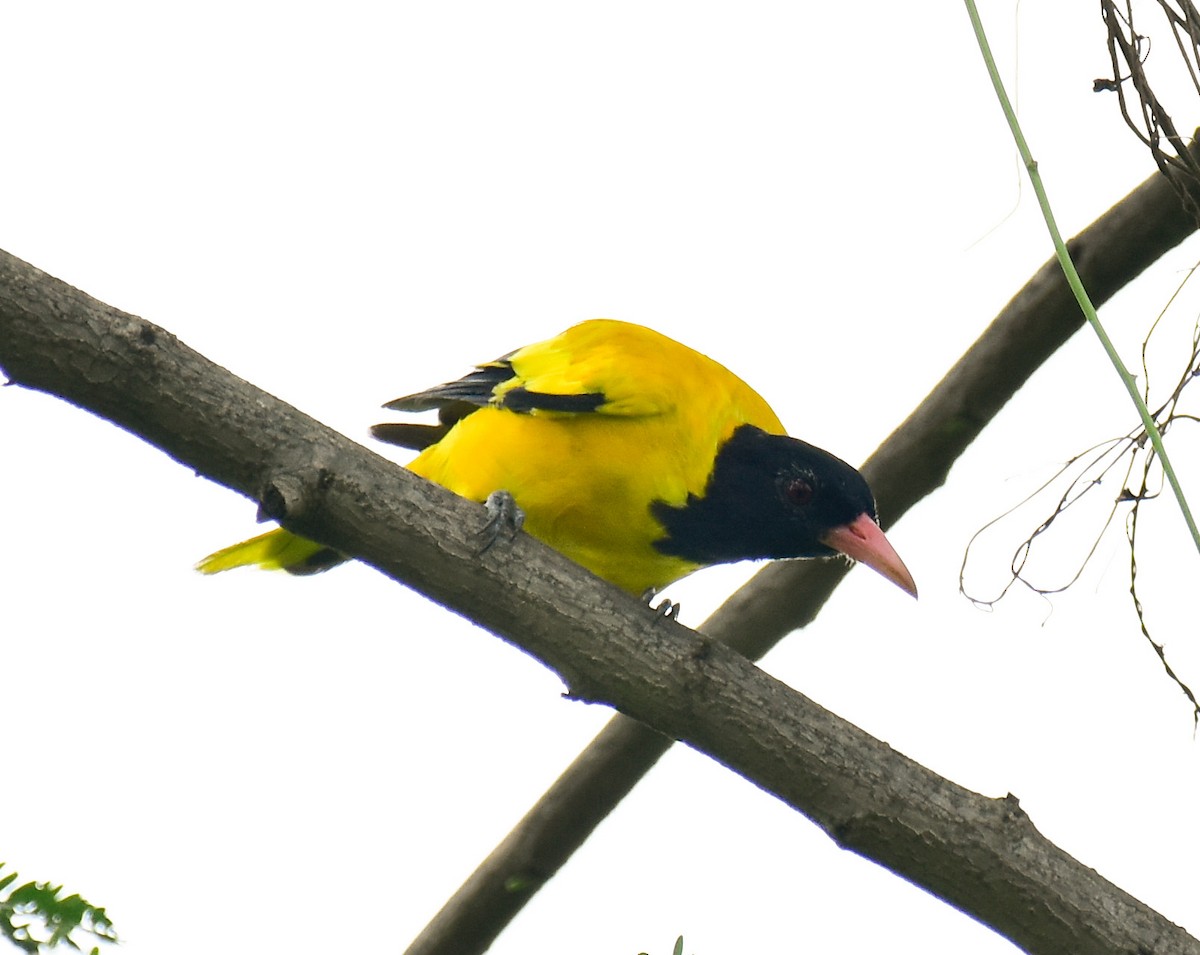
1151 123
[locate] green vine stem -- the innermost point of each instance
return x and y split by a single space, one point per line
1068 267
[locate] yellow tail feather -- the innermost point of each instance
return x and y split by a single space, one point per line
274 550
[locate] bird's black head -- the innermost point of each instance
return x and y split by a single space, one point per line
769 496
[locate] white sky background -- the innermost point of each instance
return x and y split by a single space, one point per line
345 207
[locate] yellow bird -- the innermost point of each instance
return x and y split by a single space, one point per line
630 453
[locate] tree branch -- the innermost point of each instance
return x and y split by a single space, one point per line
979 854
910 464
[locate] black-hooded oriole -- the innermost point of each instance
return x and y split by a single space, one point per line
630 453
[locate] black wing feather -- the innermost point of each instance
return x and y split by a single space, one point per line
454 400
418 437
474 389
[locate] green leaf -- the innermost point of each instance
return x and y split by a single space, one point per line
40 902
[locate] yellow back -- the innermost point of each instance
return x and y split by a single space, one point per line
585 481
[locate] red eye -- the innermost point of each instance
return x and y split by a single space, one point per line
798 491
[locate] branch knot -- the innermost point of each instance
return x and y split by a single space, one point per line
291 495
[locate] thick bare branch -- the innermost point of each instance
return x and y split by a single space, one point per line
979 854
913 461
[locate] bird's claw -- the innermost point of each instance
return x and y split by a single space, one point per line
665 610
503 515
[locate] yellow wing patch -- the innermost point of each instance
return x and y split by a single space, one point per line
639 372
